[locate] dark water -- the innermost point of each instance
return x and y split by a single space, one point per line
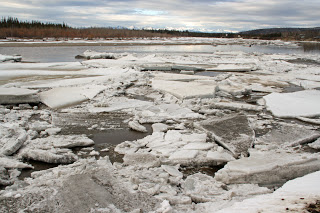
67 53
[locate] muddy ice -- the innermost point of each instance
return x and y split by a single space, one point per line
123 138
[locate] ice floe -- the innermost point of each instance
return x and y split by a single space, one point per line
303 103
268 168
15 95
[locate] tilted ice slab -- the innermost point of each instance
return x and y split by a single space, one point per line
120 103
315 145
15 95
185 90
11 140
163 112
303 103
54 149
288 135
67 96
268 168
293 196
232 132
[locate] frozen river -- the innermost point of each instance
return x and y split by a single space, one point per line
68 53
181 125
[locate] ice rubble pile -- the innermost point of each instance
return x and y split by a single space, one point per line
196 121
15 58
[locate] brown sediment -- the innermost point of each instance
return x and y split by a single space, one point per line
314 207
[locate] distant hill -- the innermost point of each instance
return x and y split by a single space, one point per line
279 30
305 34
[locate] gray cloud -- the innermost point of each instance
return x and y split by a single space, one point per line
211 15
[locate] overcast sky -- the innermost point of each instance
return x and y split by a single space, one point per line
202 15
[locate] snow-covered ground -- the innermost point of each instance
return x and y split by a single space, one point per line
255 119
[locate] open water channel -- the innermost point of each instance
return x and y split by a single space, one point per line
68 53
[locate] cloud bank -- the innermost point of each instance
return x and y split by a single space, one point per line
203 15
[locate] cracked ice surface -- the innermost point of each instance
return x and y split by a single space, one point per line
197 122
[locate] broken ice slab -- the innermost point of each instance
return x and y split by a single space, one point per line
11 163
315 145
268 168
89 54
11 140
235 106
293 196
286 135
220 156
233 68
145 160
135 125
184 155
67 96
15 58
62 156
186 90
287 105
233 132
15 95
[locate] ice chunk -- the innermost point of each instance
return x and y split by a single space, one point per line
184 155
49 156
235 106
67 96
220 156
39 126
89 54
53 131
303 103
11 163
292 196
194 137
268 168
173 135
171 170
159 127
198 146
135 125
12 140
141 159
68 141
18 95
15 58
315 145
233 132
120 104
186 90
288 135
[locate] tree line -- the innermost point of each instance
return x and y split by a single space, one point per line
11 22
13 27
